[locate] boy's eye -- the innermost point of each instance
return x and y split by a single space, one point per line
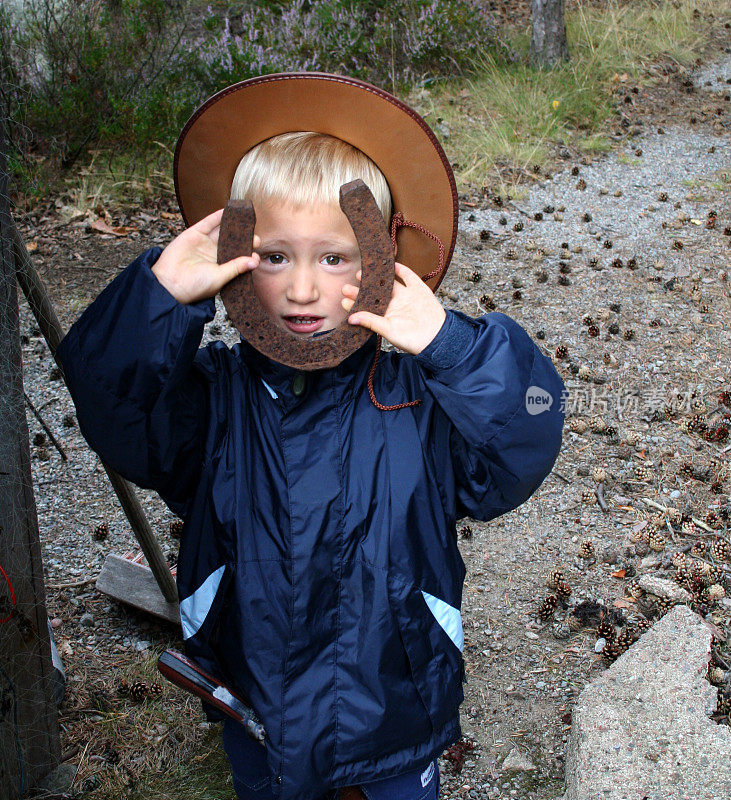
332 260
275 258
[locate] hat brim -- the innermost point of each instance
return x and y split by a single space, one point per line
390 133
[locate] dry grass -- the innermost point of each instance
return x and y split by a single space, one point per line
511 115
155 749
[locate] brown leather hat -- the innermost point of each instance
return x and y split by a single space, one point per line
393 135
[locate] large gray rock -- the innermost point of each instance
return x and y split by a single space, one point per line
642 729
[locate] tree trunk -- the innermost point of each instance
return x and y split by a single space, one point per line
548 40
29 735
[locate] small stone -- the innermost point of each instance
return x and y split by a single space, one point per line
87 620
515 761
600 644
664 588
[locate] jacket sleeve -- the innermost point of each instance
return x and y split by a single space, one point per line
504 400
129 366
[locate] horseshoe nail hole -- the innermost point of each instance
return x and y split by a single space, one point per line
382 282
247 324
378 302
261 338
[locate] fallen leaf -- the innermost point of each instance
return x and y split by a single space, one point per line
169 215
124 230
620 573
102 227
566 718
31 246
64 648
625 602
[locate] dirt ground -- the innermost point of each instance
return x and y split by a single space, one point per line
658 329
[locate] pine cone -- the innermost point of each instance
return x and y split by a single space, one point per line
721 550
122 687
138 691
555 578
643 624
624 640
699 548
577 425
716 675
588 497
663 605
176 528
611 652
101 531
656 541
586 550
548 607
605 629
597 424
563 590
641 472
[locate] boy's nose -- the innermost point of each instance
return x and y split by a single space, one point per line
303 284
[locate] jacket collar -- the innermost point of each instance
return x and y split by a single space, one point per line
279 376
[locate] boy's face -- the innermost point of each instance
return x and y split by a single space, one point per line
307 255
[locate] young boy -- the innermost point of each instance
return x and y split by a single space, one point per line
319 573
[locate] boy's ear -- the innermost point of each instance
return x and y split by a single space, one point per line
376 285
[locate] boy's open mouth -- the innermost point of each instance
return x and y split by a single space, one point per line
303 324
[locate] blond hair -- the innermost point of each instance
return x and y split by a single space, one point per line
304 168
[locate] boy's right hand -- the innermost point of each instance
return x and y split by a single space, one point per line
188 266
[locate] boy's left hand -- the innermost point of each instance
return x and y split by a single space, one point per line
413 317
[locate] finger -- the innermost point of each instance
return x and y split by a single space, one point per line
349 290
209 223
237 266
347 304
367 320
408 276
256 243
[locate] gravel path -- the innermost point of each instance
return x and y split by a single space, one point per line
651 199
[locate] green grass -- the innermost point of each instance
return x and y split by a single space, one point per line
511 114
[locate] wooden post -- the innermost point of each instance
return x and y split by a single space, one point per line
42 308
29 734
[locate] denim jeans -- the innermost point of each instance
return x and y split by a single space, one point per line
251 777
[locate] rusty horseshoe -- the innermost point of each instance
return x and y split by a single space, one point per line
329 349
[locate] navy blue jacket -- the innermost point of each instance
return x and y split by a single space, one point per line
319 572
